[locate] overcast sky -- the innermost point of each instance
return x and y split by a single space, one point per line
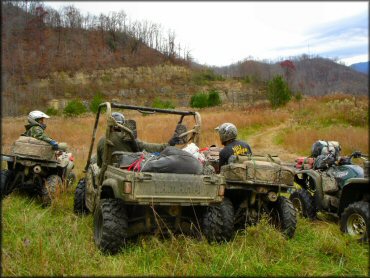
221 33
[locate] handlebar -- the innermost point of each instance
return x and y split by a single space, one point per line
358 154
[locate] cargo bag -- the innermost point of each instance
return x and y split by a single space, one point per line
329 184
257 157
29 147
125 159
173 160
258 171
304 163
323 161
234 171
321 147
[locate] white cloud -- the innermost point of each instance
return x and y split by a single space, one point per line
220 33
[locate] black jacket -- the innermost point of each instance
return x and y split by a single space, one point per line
235 147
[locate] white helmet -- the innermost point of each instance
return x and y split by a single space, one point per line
35 115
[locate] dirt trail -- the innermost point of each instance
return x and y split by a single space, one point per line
263 143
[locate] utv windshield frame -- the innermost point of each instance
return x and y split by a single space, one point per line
195 137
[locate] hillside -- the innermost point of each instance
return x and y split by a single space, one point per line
313 76
51 57
361 67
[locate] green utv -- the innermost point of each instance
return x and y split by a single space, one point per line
126 203
339 189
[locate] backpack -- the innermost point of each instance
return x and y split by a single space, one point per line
321 147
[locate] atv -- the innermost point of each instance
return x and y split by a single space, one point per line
37 169
255 186
341 190
126 202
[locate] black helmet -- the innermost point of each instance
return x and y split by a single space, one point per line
119 117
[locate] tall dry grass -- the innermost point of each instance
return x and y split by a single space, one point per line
77 132
350 138
314 119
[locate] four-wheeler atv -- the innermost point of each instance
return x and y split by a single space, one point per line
34 167
126 203
341 190
254 185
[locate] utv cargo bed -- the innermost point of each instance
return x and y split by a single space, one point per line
165 188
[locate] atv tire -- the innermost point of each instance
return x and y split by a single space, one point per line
284 216
79 204
304 203
51 189
218 222
6 177
110 225
355 220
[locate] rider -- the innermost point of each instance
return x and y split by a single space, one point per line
36 128
228 133
120 143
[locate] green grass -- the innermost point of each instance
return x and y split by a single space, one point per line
244 133
54 242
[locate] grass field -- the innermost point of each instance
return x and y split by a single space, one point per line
53 241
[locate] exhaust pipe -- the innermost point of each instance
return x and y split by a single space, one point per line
37 169
272 196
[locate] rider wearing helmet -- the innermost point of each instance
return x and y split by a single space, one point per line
228 133
36 128
121 142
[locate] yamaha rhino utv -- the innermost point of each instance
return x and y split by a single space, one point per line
34 167
126 203
341 190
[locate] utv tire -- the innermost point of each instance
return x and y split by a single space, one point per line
79 204
304 203
51 189
355 220
284 216
110 225
6 178
218 222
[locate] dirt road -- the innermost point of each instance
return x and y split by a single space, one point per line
263 143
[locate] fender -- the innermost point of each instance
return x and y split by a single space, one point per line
319 193
109 189
355 189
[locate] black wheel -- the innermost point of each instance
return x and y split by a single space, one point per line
355 220
218 222
304 203
71 179
6 178
283 216
79 205
110 225
51 189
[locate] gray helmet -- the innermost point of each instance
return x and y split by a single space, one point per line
118 117
227 131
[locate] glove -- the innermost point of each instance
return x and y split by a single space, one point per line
174 140
54 145
356 154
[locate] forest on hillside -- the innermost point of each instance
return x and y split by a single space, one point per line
309 75
46 51
38 40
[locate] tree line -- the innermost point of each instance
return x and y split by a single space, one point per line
38 39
